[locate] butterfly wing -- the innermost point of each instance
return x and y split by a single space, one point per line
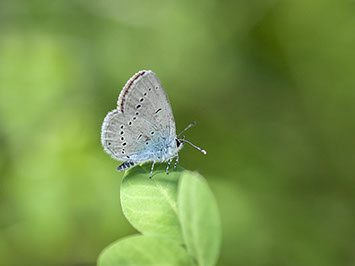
142 122
144 97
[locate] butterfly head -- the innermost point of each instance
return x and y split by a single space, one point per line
179 143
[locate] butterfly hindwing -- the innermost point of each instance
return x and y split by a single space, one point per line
120 139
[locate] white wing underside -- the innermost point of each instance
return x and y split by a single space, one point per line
142 119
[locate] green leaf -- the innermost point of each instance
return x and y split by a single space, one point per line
199 218
144 250
150 205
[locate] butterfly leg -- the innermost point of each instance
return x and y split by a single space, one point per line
177 161
167 168
151 172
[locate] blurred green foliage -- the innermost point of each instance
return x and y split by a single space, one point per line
176 215
271 84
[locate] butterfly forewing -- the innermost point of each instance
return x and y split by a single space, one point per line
147 99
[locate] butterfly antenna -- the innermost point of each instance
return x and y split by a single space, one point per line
191 125
201 150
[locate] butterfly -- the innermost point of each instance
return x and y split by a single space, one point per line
142 127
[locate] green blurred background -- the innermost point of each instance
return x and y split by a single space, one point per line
270 83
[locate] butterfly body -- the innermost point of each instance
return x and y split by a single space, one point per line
142 128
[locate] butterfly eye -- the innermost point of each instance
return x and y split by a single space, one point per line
178 143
